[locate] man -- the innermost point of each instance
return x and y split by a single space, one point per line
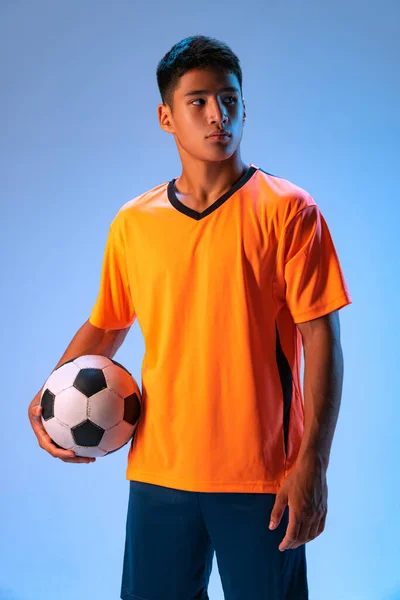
229 270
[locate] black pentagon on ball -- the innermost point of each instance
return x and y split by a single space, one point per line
90 381
47 402
131 409
87 433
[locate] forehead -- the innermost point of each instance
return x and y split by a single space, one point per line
206 79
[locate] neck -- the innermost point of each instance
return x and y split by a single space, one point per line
203 182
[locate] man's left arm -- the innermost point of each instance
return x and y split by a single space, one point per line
305 488
323 379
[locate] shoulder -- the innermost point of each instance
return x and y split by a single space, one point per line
138 204
285 199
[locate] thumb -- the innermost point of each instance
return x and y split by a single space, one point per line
278 509
36 414
36 411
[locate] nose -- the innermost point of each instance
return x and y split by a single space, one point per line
217 112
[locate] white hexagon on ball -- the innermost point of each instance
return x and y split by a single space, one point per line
106 408
62 378
70 407
117 436
59 433
88 451
119 379
92 361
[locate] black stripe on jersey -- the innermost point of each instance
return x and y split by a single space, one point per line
194 214
272 175
286 378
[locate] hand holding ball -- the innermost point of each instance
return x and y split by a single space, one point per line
91 405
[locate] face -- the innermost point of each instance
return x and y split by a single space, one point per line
205 101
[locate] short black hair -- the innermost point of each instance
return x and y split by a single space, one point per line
195 52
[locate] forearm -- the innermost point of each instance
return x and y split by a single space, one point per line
92 340
323 380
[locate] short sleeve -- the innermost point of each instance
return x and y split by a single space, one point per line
314 283
113 308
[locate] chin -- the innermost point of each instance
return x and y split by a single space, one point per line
218 157
221 152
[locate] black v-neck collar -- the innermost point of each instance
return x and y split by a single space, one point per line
194 214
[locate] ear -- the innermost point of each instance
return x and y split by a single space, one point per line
244 109
164 118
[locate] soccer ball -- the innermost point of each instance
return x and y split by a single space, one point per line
91 405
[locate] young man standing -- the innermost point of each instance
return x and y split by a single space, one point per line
230 271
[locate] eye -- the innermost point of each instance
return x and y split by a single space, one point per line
231 98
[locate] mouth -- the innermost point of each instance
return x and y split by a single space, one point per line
219 134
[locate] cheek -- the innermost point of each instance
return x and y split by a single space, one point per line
191 130
193 121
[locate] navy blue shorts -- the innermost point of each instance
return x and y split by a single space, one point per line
171 537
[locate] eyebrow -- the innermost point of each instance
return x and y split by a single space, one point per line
197 92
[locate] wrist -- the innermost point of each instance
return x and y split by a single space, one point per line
314 458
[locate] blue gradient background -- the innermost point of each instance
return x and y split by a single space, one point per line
79 138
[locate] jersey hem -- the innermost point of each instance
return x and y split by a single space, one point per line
106 326
340 302
261 487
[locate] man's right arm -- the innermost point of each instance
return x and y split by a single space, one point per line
87 340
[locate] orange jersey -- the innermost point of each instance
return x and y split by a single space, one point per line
217 295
